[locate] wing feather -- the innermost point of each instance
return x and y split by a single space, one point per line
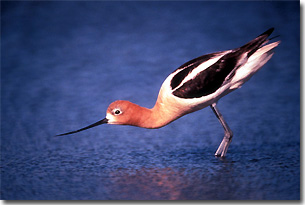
210 79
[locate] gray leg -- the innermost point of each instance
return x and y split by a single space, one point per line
224 145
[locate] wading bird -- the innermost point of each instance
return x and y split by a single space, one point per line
195 85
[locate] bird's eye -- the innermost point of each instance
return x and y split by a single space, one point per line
117 112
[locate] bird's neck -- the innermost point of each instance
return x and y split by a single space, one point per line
155 117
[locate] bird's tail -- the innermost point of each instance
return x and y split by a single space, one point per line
259 49
255 44
259 53
262 55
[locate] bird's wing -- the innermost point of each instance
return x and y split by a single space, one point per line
210 79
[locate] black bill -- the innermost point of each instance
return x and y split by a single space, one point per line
103 121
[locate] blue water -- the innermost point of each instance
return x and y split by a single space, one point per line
62 63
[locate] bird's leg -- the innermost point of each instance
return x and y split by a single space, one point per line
224 145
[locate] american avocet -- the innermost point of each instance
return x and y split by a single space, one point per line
195 85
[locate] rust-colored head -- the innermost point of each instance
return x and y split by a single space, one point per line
122 112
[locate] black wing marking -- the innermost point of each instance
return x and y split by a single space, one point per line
188 67
212 78
208 80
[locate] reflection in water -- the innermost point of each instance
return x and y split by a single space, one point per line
251 177
149 183
170 183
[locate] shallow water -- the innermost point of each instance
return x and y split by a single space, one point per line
193 173
64 62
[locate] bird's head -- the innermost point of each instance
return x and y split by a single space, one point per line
122 112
